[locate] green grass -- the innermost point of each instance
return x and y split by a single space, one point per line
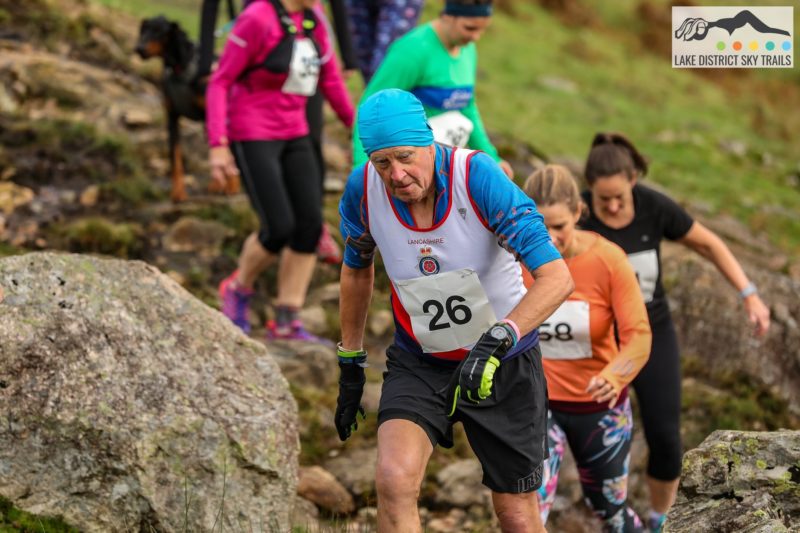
7 249
238 217
79 147
622 86
735 402
15 520
134 190
100 236
185 12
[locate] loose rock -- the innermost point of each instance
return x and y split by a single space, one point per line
355 469
320 487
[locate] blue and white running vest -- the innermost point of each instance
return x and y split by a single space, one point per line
450 281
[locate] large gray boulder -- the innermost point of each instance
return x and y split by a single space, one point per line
128 405
740 481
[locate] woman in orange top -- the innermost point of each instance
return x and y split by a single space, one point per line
587 371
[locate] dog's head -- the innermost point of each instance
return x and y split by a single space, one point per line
153 36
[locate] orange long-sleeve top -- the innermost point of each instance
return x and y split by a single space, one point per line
605 279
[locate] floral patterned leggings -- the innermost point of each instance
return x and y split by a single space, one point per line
601 444
375 25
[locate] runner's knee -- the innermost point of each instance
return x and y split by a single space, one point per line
276 236
395 481
516 512
513 519
306 234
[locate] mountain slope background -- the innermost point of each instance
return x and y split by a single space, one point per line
554 72
83 168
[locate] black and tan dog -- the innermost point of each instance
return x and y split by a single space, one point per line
184 94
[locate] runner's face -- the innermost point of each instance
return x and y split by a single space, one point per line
612 197
560 223
464 30
407 171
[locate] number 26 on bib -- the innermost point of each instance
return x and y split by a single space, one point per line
448 311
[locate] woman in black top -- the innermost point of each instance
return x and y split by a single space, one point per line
637 218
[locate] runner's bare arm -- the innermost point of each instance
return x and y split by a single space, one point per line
706 243
355 295
553 285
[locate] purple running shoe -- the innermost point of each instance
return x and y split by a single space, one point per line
235 302
293 331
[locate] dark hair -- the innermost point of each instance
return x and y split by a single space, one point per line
613 153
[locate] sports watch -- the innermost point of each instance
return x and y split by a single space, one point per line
503 333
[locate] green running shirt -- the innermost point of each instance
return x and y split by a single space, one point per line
419 63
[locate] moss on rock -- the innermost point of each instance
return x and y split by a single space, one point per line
13 519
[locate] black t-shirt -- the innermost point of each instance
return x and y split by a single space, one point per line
655 217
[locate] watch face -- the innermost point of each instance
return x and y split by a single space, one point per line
499 333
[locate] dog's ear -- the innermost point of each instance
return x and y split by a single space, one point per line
160 26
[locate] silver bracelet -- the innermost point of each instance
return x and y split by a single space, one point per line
749 290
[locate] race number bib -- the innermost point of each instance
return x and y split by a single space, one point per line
451 128
566 334
645 264
303 70
448 311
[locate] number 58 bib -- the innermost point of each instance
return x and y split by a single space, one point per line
448 311
566 334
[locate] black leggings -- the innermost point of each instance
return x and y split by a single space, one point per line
282 181
658 390
315 122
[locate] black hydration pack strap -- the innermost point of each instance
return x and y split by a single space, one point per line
232 9
279 58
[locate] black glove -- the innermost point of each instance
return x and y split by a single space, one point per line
474 376
351 387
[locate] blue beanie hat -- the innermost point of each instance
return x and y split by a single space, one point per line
392 117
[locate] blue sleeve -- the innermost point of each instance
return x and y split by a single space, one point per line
510 214
359 246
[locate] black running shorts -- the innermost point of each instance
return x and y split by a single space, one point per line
507 431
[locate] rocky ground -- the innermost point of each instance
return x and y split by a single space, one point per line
128 404
83 168
740 481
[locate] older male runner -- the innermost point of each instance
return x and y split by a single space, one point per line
466 346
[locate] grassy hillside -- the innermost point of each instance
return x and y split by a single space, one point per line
185 12
677 117
552 78
549 79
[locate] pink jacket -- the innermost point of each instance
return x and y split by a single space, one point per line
253 107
